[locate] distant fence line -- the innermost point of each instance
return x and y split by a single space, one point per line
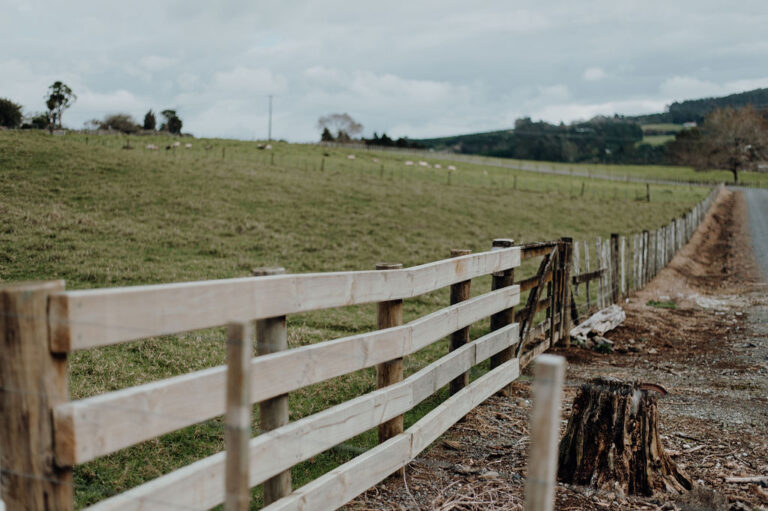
44 434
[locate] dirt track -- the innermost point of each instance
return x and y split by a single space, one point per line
711 352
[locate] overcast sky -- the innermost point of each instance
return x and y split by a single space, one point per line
414 68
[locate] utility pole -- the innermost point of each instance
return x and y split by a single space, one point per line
269 132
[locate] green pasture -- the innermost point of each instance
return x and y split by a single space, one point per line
97 215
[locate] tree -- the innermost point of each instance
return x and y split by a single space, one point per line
730 139
10 113
60 97
120 122
149 120
38 122
346 127
172 122
327 136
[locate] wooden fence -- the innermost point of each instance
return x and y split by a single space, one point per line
45 434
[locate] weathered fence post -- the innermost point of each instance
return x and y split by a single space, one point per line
646 253
390 313
501 319
576 264
600 266
623 264
586 284
545 429
32 382
272 336
565 308
459 293
237 433
614 268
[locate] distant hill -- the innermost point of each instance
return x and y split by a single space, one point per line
617 139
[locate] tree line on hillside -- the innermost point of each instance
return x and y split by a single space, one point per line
342 128
600 140
696 110
60 97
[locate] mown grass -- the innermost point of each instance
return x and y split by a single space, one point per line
99 216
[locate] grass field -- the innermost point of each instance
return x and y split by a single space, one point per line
97 215
669 127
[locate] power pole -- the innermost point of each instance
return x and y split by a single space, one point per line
269 132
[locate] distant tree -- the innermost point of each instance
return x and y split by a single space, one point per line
730 139
10 113
345 126
40 121
172 122
120 122
149 120
60 97
327 136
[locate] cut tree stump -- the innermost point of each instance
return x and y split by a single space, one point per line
612 442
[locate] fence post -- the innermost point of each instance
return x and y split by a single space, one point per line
390 313
459 293
565 309
646 253
501 319
32 382
623 264
599 255
238 417
272 336
614 268
545 428
586 284
576 264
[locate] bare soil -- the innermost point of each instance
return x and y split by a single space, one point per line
709 351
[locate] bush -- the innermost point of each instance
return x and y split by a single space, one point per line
120 122
38 122
10 113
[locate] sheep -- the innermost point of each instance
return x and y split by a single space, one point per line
188 145
176 144
350 156
451 167
423 164
151 147
408 163
438 166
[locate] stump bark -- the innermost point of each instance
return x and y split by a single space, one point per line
612 442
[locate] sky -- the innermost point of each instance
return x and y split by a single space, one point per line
417 69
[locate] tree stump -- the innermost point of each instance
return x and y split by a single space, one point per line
612 442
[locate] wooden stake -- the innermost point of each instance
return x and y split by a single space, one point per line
586 269
623 265
507 316
32 382
600 266
272 336
238 417
614 263
390 313
545 429
565 317
459 292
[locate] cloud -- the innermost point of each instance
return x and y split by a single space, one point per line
247 80
156 62
593 74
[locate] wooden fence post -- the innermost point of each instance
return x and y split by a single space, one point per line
32 382
586 270
614 268
272 336
576 264
646 252
390 313
623 264
565 309
600 265
238 417
501 319
545 428
459 292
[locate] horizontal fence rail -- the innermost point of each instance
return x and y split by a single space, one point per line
44 322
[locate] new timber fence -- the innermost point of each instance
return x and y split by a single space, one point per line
43 434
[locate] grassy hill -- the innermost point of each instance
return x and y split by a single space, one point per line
85 210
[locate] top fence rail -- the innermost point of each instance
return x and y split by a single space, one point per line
100 317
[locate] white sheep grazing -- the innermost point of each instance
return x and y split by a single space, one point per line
188 145
408 163
423 164
438 166
176 144
152 147
350 156
451 167
375 160
268 146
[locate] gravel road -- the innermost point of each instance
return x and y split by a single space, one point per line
757 202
